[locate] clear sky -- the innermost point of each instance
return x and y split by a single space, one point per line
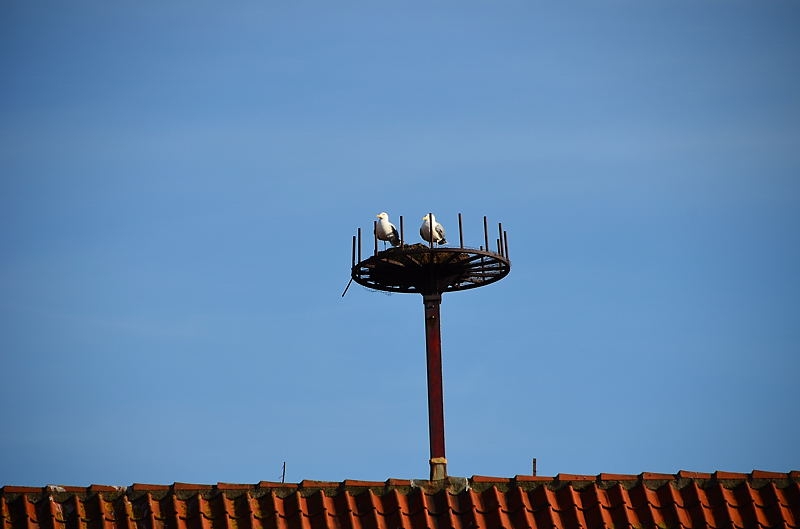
180 182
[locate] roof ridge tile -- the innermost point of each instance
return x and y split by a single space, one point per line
20 489
764 474
234 486
722 475
47 489
178 485
656 476
314 484
276 485
617 477
575 477
359 483
527 478
104 488
148 487
688 474
489 479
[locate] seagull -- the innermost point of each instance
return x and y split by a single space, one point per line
385 230
438 230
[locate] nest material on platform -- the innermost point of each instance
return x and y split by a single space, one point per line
417 267
422 254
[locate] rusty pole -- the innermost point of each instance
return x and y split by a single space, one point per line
433 350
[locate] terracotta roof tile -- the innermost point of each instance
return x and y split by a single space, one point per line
490 479
686 474
14 489
102 488
356 483
142 486
574 477
728 475
762 474
655 476
687 499
311 484
190 486
534 479
615 477
234 486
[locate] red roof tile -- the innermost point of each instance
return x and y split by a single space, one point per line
685 500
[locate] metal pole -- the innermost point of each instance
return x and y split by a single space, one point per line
460 232
500 239
433 350
486 233
430 224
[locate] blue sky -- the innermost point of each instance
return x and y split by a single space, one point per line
179 185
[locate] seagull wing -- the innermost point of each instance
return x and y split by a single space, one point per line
440 233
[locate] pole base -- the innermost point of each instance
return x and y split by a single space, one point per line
438 468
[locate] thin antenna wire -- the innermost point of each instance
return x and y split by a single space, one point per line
348 286
352 263
283 474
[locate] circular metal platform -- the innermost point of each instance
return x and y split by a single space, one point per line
423 270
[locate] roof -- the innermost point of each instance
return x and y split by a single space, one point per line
686 499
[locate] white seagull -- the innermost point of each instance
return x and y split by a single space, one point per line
438 230
385 230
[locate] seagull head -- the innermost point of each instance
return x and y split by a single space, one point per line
432 217
382 215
